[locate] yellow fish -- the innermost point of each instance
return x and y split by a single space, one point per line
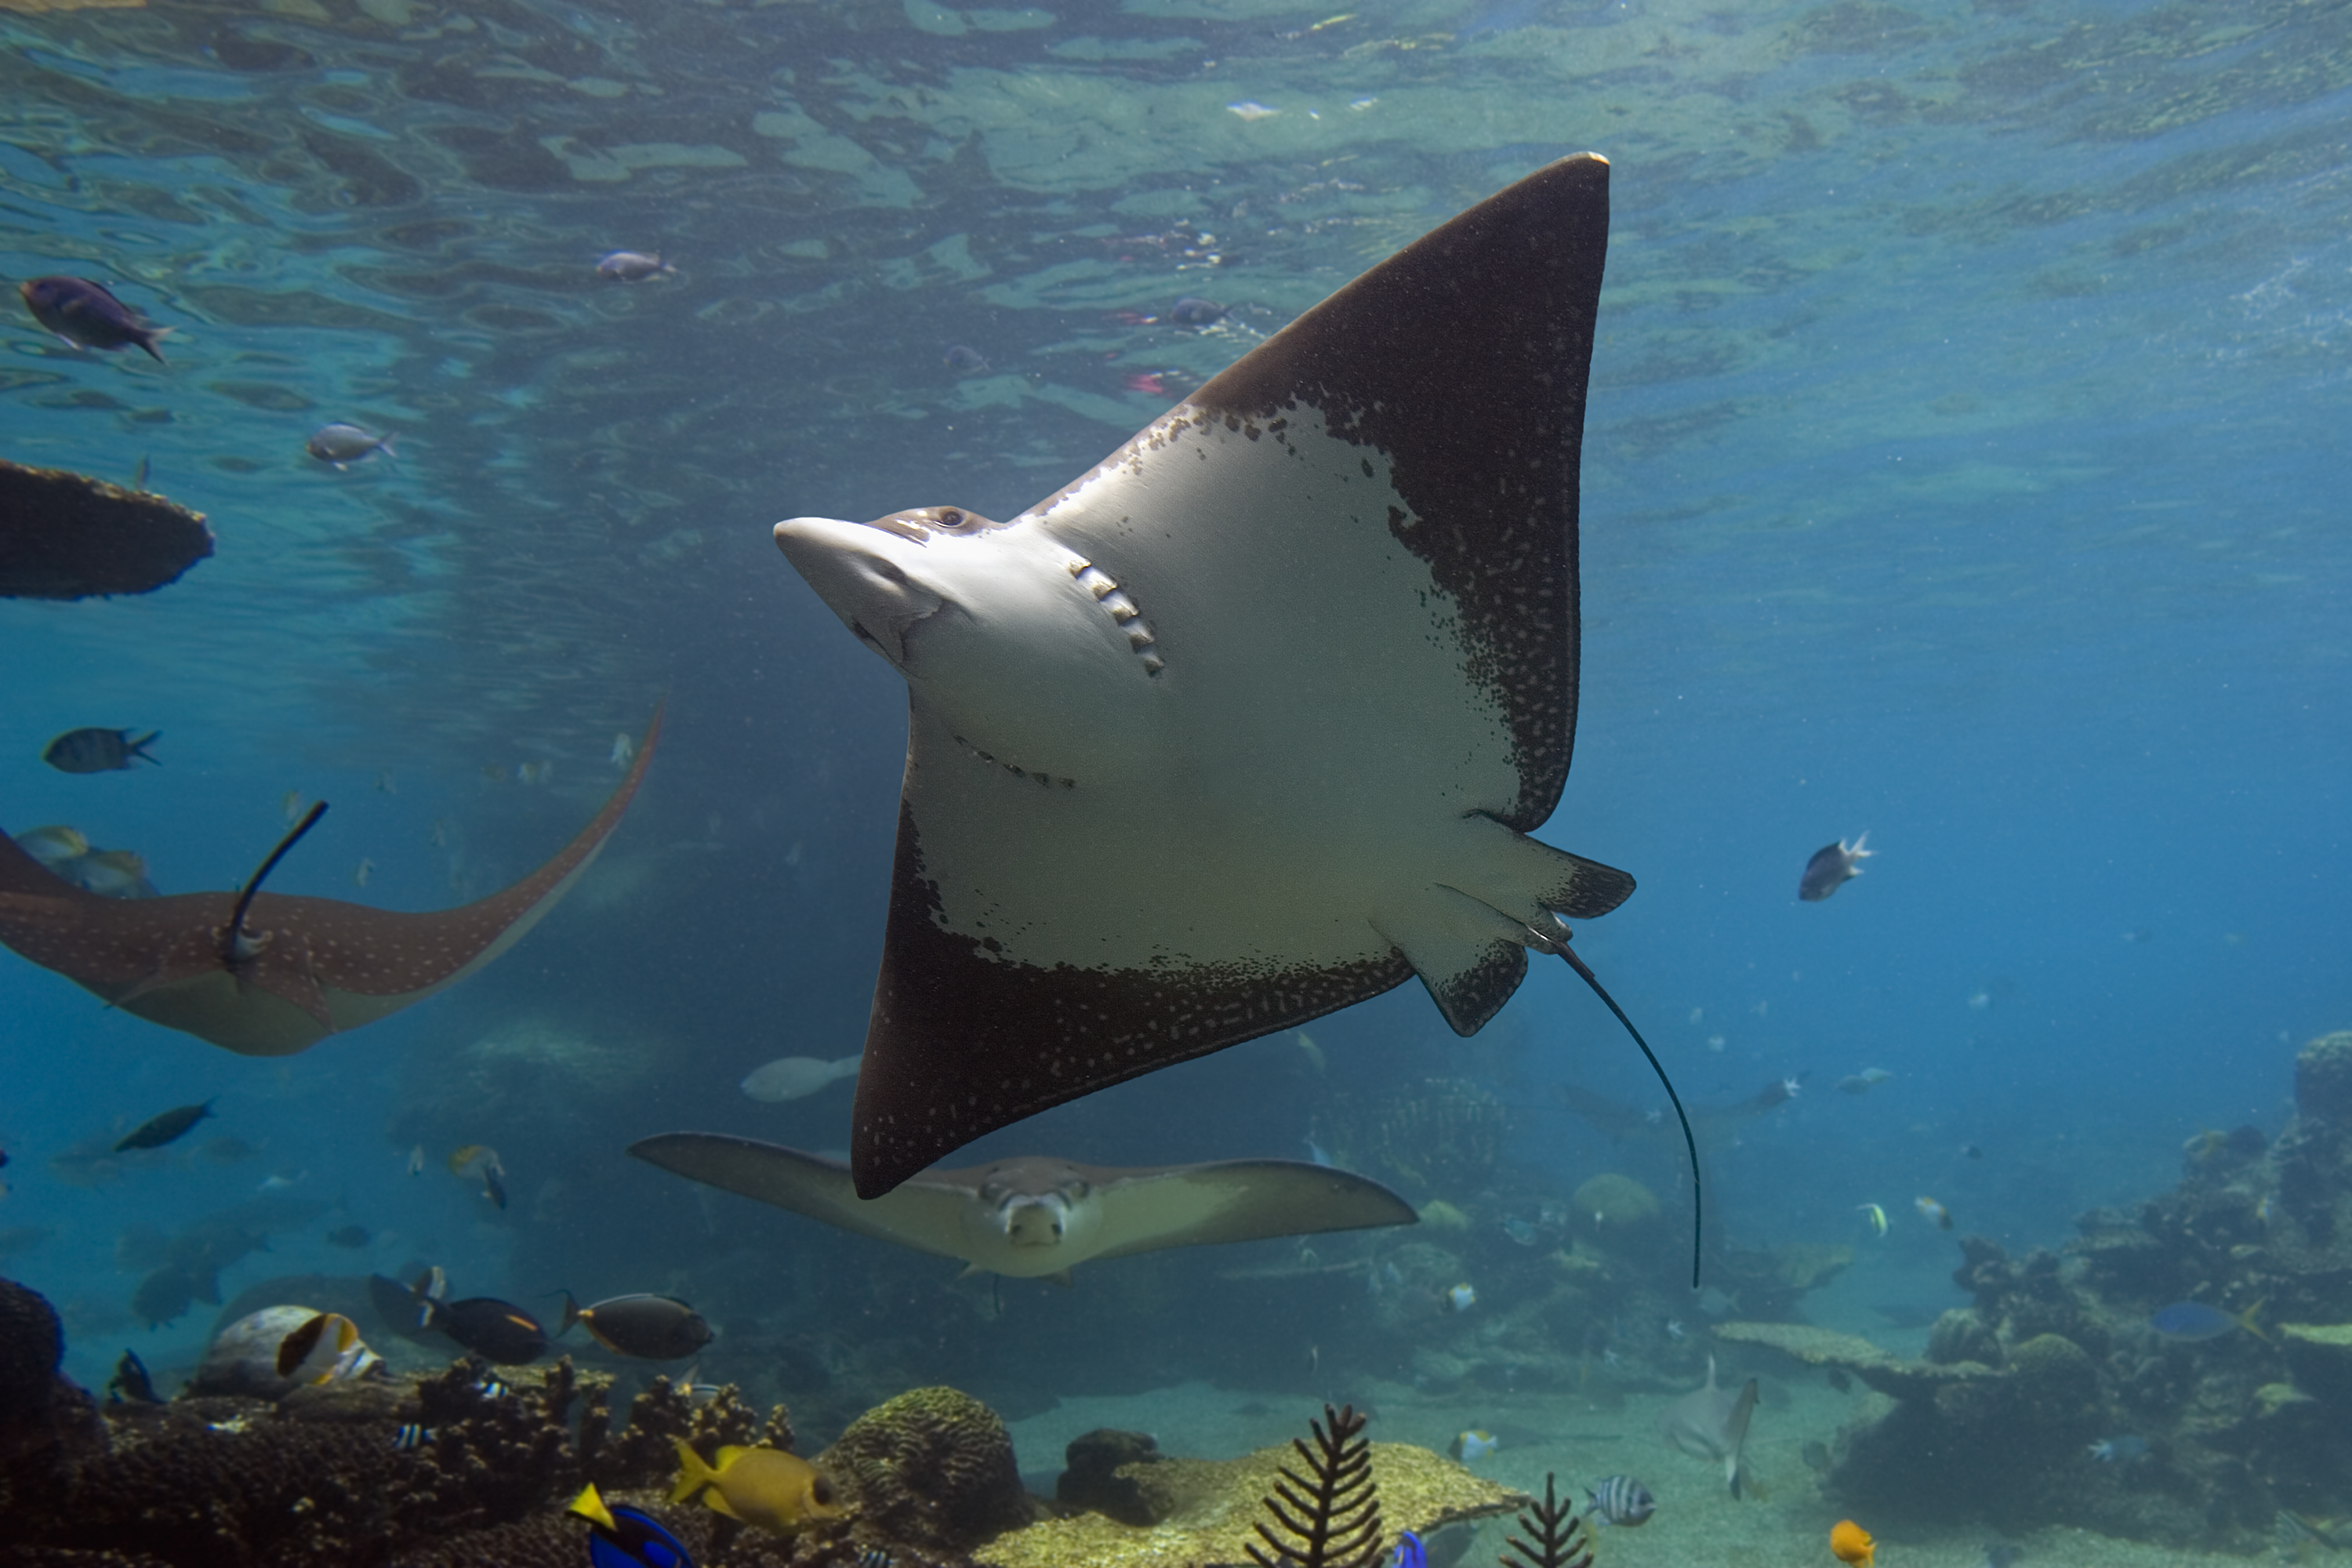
1877 1217
763 1487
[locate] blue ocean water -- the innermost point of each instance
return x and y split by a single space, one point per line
1961 467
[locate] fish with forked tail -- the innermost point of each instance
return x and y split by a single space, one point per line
87 315
1831 867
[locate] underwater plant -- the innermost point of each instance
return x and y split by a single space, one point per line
1557 1534
1335 1518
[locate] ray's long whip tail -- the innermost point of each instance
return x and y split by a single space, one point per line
1558 945
236 947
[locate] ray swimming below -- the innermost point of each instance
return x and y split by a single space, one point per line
1037 1217
270 974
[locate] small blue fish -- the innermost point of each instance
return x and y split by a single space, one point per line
2194 1321
95 751
86 315
1409 1553
621 1537
1192 312
2118 1450
963 359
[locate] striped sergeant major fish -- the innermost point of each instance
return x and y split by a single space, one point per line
1621 1499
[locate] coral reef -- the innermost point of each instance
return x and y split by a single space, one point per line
1095 1476
1215 1506
2054 1398
45 1422
933 1469
453 1468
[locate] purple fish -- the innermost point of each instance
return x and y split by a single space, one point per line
87 316
1830 868
633 267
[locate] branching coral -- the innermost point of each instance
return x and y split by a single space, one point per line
1333 1520
1557 1533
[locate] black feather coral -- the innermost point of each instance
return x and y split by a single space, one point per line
1333 1514
1557 1533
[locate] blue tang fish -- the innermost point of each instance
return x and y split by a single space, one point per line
2194 1321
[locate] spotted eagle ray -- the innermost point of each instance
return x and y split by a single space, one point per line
1252 721
267 974
1036 1217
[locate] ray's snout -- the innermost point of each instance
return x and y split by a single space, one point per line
861 572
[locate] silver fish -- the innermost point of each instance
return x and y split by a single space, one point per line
633 267
344 445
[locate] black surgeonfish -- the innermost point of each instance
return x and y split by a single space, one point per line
496 1331
158 1130
656 1328
92 750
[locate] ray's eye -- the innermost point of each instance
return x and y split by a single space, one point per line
950 518
822 1490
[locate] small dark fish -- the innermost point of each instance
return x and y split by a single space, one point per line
495 1330
1816 1455
344 445
138 475
2194 1321
1191 312
2003 1556
656 1327
624 1537
87 316
158 1130
962 360
100 751
131 1383
1621 1499
1972 1151
351 1236
494 1183
1831 867
411 1435
633 266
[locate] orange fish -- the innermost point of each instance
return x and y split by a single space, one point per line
1851 1543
